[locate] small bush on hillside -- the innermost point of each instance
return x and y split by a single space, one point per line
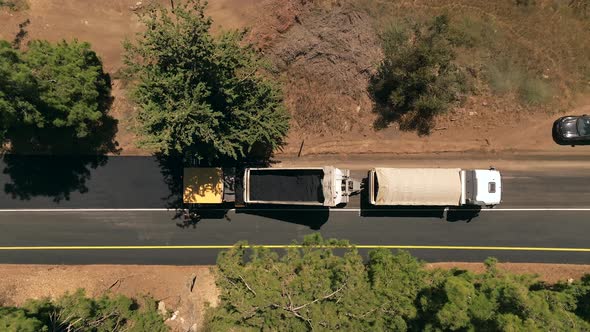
76 312
535 91
471 32
16 319
580 7
312 288
14 4
417 78
504 76
525 3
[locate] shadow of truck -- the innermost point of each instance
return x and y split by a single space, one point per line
450 214
313 217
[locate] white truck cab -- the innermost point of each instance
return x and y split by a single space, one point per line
482 187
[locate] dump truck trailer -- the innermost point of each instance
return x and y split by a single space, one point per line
319 186
434 187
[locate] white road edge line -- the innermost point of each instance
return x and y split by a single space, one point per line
291 210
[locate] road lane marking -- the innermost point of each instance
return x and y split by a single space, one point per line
301 210
280 246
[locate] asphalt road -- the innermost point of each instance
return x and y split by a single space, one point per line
507 229
554 231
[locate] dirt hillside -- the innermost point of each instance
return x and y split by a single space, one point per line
324 51
327 56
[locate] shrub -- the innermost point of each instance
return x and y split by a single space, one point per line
535 91
417 78
15 319
525 3
76 312
14 5
504 76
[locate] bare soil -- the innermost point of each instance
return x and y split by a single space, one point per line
171 284
325 60
461 130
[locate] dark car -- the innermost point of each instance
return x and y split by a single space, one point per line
572 130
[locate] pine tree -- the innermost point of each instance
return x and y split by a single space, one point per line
202 96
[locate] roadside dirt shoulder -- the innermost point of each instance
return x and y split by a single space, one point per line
578 160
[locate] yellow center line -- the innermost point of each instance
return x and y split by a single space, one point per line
280 246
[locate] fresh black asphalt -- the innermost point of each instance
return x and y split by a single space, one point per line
145 182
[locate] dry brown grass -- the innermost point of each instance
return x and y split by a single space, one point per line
547 41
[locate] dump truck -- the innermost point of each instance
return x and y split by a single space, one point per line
447 187
320 186
316 186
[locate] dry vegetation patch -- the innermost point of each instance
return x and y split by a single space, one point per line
184 291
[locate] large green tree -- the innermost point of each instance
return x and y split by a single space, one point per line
54 99
18 89
306 289
201 95
16 319
74 91
310 287
499 301
51 94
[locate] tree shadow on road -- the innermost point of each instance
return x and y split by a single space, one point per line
54 162
171 168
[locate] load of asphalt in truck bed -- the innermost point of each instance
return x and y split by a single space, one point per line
287 185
